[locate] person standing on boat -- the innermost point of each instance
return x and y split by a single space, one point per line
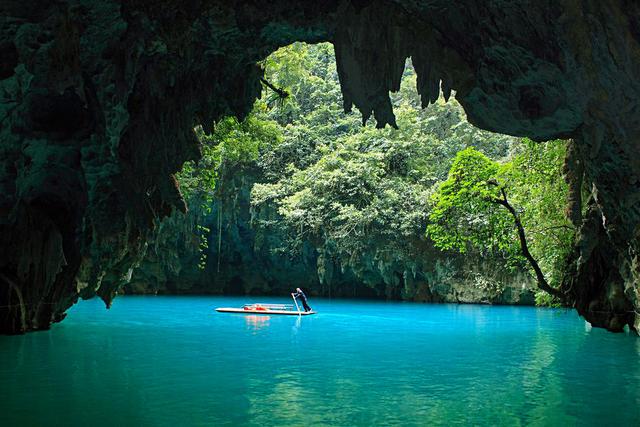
303 298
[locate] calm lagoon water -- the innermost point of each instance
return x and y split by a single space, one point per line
174 361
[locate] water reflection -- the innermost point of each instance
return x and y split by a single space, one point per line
256 322
297 324
497 366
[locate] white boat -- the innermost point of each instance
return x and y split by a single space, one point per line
262 308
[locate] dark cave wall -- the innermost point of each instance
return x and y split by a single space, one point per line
98 101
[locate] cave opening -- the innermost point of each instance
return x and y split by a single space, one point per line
137 156
306 195
112 111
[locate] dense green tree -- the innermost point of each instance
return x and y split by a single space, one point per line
514 208
231 143
357 195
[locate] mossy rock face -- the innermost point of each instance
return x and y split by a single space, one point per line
98 100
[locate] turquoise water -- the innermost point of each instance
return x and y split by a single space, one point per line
174 361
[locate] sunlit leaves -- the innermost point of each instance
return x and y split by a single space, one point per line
231 145
465 215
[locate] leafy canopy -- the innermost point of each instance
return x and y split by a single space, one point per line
466 212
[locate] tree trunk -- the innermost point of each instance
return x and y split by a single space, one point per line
524 247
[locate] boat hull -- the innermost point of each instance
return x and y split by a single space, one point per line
282 312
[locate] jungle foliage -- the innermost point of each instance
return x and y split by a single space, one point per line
512 209
379 202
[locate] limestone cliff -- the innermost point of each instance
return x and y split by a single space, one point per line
98 100
244 258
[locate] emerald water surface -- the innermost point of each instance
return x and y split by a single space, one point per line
174 361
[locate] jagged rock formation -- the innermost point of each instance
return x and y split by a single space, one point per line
171 261
98 100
